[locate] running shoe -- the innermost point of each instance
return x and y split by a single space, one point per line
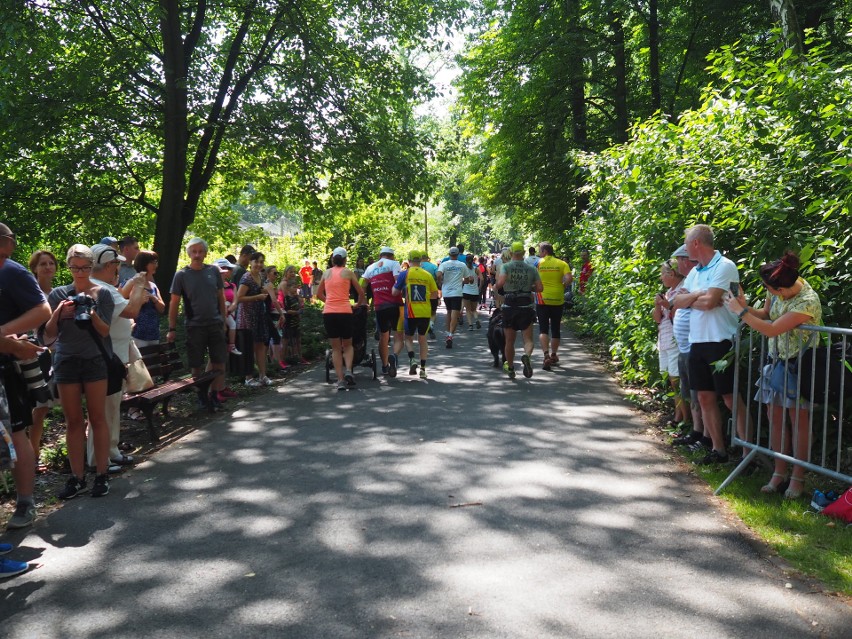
392 362
510 370
478 324
227 392
73 487
265 381
525 360
422 372
412 366
253 383
101 486
233 350
10 568
6 548
23 516
449 341
546 364
385 370
341 385
688 439
470 327
349 378
714 457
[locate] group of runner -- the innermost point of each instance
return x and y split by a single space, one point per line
406 301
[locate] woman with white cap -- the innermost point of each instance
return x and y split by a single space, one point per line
333 291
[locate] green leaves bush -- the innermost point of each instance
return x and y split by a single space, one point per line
765 160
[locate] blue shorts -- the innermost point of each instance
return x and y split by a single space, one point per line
79 370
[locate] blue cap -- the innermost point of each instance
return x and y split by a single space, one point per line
108 240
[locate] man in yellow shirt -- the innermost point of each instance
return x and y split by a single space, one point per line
555 277
419 289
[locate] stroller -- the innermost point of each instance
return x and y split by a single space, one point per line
359 345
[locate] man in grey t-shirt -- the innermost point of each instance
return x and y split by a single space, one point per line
200 287
519 282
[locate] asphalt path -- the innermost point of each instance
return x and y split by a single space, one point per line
466 505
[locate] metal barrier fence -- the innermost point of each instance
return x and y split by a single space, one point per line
816 380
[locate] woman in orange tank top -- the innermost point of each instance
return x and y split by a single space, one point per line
337 314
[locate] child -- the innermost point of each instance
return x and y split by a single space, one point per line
292 328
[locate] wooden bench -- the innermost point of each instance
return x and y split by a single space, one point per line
162 360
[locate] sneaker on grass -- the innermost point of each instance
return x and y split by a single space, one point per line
687 440
714 457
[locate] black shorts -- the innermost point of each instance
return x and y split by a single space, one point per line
549 319
453 303
338 325
518 318
702 375
387 318
210 338
419 324
272 325
20 407
471 297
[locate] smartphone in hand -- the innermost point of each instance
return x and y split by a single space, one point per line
735 289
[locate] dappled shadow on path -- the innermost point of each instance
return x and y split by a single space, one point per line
313 513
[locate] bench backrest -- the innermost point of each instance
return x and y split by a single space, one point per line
161 359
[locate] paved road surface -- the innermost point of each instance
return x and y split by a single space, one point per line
313 513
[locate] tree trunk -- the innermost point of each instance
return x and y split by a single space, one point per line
785 12
654 56
620 96
171 222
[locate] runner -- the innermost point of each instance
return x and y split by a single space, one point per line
381 275
419 288
555 277
427 265
519 281
452 275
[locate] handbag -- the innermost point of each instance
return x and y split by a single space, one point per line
783 378
116 370
138 377
841 508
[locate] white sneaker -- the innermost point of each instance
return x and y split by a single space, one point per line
236 351
253 383
266 381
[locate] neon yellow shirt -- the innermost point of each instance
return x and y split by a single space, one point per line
418 286
552 271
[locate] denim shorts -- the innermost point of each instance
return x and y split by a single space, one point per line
79 370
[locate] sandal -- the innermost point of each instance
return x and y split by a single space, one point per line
792 493
771 488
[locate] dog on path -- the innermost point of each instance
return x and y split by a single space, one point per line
497 338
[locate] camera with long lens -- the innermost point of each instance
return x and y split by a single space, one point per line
31 371
83 306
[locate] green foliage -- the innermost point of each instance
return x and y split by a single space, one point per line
765 160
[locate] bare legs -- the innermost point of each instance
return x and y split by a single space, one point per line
72 405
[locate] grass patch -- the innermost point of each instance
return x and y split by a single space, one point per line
813 544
